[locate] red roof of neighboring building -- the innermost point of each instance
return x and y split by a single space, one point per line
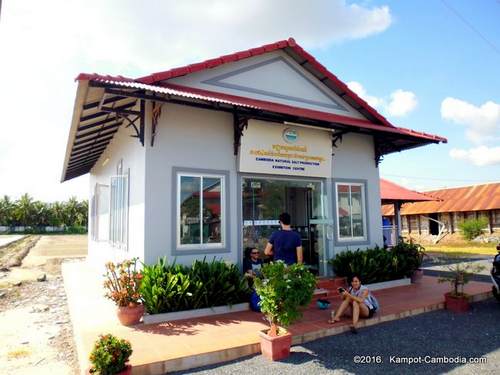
461 199
391 192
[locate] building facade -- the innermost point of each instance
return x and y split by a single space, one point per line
450 207
219 149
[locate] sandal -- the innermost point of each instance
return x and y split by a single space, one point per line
333 321
353 329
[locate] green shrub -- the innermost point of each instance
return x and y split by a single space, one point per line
75 229
283 290
172 287
471 228
110 355
377 264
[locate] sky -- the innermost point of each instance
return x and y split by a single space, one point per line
432 66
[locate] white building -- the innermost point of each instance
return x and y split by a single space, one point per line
200 160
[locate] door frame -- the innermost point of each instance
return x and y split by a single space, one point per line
322 266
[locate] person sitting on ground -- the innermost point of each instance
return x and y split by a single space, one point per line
252 264
361 302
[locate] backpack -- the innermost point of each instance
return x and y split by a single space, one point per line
374 302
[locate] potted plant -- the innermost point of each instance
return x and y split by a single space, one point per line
110 356
122 284
283 290
459 275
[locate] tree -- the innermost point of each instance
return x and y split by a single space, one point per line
24 211
6 211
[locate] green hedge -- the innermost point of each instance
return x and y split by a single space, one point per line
172 287
377 264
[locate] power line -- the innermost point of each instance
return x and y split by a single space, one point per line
457 14
438 179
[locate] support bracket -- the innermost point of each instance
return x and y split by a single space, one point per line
155 116
240 123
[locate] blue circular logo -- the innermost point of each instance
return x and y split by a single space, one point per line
290 135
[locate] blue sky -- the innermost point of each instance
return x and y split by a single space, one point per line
416 60
431 52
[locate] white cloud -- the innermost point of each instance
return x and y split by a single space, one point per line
399 104
46 44
482 123
361 91
480 156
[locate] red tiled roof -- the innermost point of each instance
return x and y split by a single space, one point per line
391 192
214 96
282 44
462 199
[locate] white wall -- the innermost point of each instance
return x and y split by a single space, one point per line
354 158
132 153
192 138
203 139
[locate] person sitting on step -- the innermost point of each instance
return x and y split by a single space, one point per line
359 299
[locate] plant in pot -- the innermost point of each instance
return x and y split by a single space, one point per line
122 283
411 256
110 356
459 274
283 291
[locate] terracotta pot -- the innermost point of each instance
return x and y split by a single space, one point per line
275 348
456 304
129 316
127 371
417 275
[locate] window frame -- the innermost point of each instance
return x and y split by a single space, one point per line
364 210
200 248
122 245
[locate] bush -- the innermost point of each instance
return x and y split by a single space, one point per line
377 264
283 290
172 287
109 355
471 228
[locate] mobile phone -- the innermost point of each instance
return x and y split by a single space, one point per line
341 290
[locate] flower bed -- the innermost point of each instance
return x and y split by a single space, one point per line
172 287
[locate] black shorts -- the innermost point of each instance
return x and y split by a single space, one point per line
371 312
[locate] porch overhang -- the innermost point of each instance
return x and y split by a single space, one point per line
104 103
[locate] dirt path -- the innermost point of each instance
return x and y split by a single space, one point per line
34 318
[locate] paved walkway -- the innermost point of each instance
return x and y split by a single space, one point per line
181 345
414 337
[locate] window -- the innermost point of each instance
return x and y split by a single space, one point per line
118 209
200 211
350 211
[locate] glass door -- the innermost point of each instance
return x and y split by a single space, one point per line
264 199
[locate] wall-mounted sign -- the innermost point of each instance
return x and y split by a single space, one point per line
272 148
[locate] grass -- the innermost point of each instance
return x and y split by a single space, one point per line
463 249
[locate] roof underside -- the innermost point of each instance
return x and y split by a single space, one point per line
463 199
105 103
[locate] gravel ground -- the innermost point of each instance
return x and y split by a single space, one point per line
35 328
436 334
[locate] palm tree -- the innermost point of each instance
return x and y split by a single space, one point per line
24 211
6 211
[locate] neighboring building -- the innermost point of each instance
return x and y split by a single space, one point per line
220 148
451 206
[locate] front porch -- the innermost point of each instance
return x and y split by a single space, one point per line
185 344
